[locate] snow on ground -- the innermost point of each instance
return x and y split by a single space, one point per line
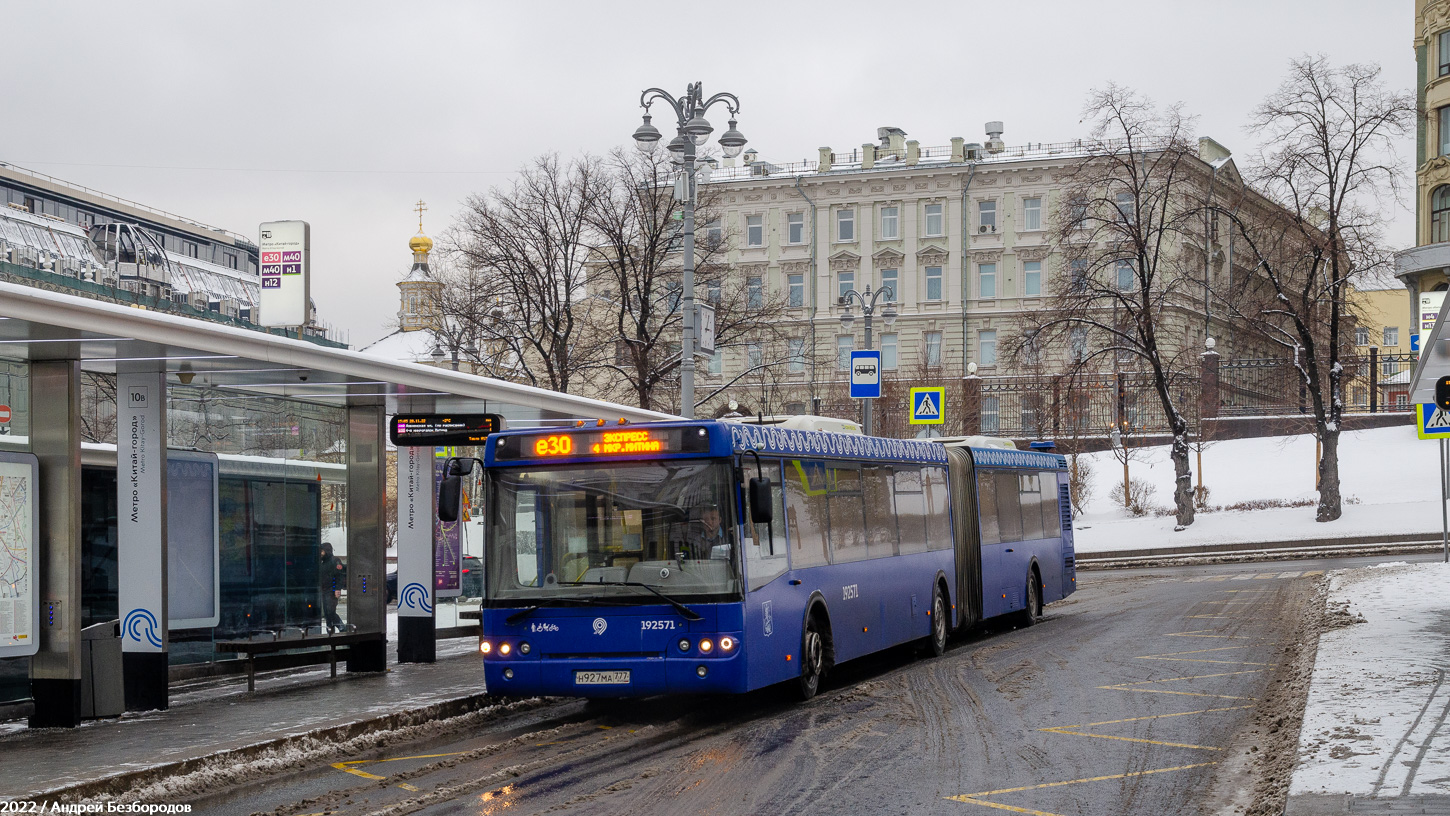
1376 720
1392 474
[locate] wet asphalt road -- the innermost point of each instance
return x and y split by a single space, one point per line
1123 700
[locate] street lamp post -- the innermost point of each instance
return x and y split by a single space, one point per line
868 300
454 346
691 131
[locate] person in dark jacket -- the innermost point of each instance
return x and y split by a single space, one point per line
332 576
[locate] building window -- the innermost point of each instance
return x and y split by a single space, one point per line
754 294
1444 53
1125 276
797 355
933 283
717 361
1032 278
888 352
796 291
1361 336
933 221
1440 214
933 347
712 293
1126 208
755 230
845 225
795 228
1443 117
1077 344
752 355
890 229
991 415
987 280
888 282
1077 210
845 282
987 347
1032 213
1392 335
1401 400
1077 271
714 234
844 345
987 216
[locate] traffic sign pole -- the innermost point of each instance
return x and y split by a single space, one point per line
1444 498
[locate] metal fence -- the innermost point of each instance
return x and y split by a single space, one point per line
1065 406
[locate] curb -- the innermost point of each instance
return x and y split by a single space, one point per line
1265 551
118 784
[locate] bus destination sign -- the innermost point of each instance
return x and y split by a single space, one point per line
424 430
613 442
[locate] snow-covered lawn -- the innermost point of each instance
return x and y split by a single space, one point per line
1375 723
1393 475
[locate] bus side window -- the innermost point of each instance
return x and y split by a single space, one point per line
1009 509
880 511
1051 517
766 556
938 509
848 520
805 507
987 507
1031 499
910 509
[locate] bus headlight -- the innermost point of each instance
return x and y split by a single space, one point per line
727 644
684 644
524 647
504 649
508 674
484 647
706 646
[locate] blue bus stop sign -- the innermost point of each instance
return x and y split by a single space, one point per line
865 374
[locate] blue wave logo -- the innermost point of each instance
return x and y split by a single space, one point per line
141 627
415 596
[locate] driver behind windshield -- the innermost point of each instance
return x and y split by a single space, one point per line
704 534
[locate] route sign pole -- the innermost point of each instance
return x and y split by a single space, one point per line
1444 498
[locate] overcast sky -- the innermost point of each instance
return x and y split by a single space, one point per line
346 113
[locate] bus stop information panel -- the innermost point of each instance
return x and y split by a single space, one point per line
427 430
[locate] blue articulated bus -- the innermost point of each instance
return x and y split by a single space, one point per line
715 556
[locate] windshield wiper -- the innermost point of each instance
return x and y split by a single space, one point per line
529 610
690 614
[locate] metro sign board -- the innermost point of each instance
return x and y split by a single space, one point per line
285 250
865 374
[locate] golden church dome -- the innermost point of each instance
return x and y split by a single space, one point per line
420 243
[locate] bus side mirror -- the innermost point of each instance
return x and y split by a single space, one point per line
450 497
459 466
761 510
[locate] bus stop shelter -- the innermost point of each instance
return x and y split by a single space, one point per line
56 345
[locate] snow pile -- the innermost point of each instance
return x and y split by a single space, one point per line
1393 476
1376 720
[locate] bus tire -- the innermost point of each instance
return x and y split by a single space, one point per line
1033 598
813 657
936 642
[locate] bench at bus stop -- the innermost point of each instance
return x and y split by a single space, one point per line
317 642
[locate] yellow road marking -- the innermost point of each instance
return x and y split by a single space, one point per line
342 766
346 767
1265 576
1200 633
1133 686
1177 656
1215 616
972 798
1312 573
405 786
984 803
1072 730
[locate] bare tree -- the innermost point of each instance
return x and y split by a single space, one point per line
531 242
1330 169
1131 205
637 279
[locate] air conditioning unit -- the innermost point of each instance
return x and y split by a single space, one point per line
982 229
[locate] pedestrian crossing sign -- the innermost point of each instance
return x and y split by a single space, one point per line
1432 421
927 406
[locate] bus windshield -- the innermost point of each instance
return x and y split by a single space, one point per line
563 533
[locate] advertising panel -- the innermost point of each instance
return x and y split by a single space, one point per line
193 573
19 529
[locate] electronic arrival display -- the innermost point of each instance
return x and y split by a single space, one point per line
620 441
422 430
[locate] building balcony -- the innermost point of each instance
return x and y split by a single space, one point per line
1411 264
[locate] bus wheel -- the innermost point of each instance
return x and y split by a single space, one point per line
936 642
1029 613
813 659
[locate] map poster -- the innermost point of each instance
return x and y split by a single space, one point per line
19 525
